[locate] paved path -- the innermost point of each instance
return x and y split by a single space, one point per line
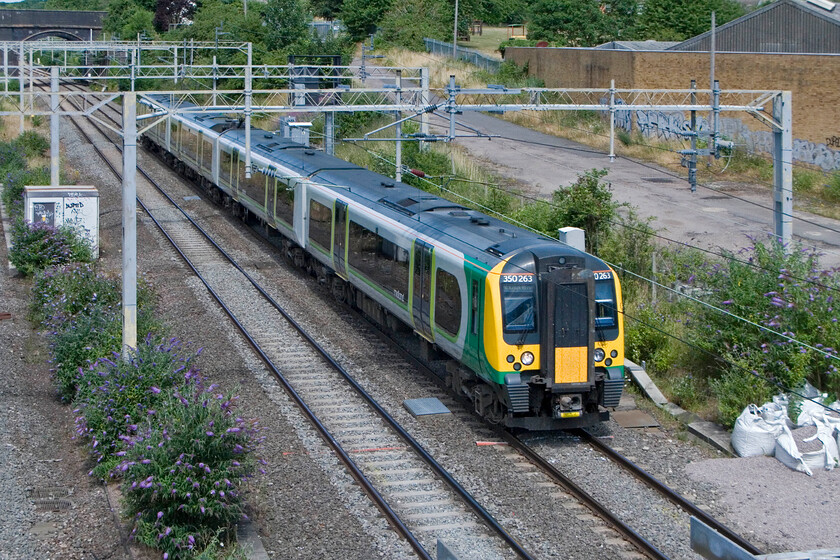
710 219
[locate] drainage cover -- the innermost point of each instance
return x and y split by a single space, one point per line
425 407
49 492
51 498
658 179
47 504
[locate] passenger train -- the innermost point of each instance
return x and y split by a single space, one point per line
531 328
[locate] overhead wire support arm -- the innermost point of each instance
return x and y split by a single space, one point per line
429 109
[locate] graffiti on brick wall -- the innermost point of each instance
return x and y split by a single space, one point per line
670 126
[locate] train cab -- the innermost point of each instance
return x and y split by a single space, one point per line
558 336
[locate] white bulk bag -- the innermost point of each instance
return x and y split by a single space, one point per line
826 457
756 430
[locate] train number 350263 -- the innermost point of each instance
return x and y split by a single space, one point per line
520 278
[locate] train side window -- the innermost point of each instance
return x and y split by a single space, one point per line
225 166
174 134
320 224
206 152
284 203
254 188
474 307
189 143
382 261
447 302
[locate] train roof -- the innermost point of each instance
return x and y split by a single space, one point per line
477 235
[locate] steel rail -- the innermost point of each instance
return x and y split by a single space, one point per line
364 482
599 509
477 508
637 540
673 496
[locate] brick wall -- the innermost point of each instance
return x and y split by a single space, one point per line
812 79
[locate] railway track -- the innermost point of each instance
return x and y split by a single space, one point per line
426 507
417 495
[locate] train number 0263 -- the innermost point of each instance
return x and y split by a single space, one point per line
520 278
603 275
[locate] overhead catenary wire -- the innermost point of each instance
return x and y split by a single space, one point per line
495 186
525 226
717 357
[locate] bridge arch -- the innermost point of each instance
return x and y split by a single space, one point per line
54 33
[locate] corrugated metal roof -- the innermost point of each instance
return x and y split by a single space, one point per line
649 45
785 26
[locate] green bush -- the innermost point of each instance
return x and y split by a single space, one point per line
805 180
33 144
12 157
832 187
645 336
184 473
736 389
782 290
113 398
624 136
60 293
37 246
79 343
80 309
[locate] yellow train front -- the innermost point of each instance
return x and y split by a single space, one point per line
553 341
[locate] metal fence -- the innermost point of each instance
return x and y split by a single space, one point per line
470 55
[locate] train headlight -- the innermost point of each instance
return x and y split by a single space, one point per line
527 358
599 354
614 353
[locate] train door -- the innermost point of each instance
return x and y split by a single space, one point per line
339 238
422 295
568 326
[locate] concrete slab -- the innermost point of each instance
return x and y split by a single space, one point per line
644 381
425 407
634 419
713 434
248 539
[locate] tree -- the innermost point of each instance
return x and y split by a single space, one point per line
127 18
407 24
499 12
361 17
621 20
573 23
678 20
587 204
286 22
327 9
172 12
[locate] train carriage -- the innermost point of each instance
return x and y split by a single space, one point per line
531 328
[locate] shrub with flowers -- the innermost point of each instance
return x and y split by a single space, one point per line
37 246
60 293
115 397
787 293
184 471
79 343
79 307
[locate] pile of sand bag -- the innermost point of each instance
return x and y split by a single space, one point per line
808 444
